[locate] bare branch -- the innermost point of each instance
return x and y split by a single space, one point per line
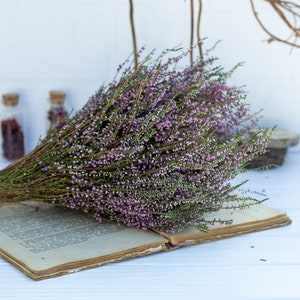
198 29
286 10
192 32
133 33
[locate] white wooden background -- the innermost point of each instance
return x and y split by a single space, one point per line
262 266
75 45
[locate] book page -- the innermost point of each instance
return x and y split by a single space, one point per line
50 239
254 218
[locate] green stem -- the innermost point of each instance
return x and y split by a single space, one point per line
198 29
192 31
133 34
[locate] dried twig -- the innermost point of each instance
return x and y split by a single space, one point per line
135 53
198 29
192 31
287 11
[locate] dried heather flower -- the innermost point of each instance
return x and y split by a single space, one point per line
155 149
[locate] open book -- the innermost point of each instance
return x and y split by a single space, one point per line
44 241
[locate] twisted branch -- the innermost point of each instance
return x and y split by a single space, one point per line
286 10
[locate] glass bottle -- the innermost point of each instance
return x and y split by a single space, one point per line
13 143
57 113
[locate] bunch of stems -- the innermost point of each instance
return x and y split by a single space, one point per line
154 149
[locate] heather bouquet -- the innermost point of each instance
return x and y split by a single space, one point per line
154 149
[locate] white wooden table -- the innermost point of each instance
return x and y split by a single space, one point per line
262 265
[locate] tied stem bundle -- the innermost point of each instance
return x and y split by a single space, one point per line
154 149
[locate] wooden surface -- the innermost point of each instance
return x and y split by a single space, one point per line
262 265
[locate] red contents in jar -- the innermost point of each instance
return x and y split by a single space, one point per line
13 139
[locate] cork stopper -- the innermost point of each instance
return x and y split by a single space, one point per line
11 99
57 97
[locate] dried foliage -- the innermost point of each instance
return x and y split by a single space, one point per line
154 149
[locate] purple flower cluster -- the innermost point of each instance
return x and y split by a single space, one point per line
155 149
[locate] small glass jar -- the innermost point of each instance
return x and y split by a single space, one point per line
57 113
13 142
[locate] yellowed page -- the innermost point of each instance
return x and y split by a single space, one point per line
48 240
254 218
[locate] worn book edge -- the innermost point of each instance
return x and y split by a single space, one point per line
77 266
227 231
255 218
